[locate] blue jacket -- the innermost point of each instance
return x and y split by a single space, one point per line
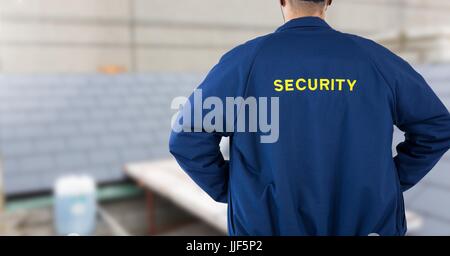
331 172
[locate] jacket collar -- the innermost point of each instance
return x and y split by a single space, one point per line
304 22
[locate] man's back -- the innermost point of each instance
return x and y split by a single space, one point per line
331 170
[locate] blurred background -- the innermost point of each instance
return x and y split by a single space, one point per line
85 94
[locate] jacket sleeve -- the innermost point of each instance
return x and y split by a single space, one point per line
416 110
196 147
426 123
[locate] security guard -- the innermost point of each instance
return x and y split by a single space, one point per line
331 171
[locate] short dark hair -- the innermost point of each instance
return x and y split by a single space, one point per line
308 6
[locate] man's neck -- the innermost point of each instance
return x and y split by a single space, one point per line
298 16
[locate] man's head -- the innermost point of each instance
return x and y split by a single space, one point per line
301 8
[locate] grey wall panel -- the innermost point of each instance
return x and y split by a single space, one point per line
83 124
53 36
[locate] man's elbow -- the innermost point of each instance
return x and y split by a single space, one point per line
221 199
442 133
219 196
174 144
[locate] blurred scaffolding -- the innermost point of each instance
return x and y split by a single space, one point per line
86 86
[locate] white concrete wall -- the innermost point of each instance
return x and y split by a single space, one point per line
179 35
63 36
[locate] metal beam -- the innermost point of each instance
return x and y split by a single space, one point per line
2 201
2 195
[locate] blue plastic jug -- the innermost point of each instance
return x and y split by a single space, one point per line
75 205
